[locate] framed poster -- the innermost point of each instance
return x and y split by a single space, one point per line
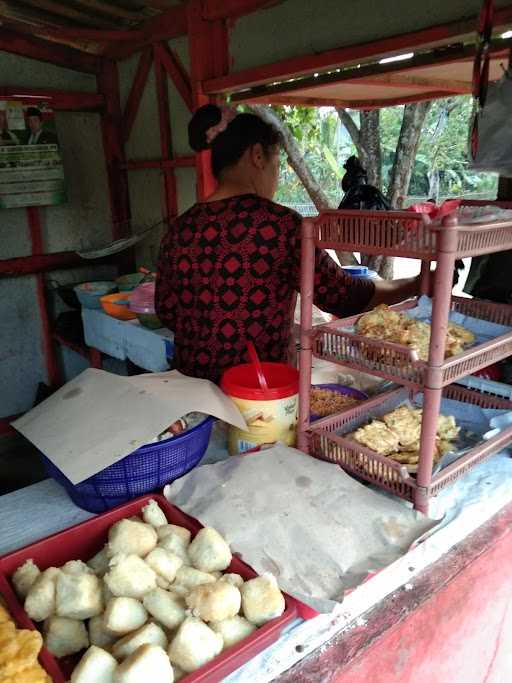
31 171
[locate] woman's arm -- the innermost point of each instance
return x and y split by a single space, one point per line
394 291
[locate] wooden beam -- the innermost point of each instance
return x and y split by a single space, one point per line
232 9
351 54
48 348
111 10
113 146
364 105
59 100
452 87
64 9
136 92
34 48
169 195
175 69
41 263
160 164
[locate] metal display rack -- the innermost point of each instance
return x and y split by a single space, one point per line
401 234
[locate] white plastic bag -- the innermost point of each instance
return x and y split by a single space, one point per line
494 150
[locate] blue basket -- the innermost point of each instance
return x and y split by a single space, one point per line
148 468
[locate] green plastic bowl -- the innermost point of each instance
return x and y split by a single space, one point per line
149 320
127 283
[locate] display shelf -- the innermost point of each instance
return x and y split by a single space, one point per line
338 343
403 233
328 440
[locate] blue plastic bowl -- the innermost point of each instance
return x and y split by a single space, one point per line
148 468
90 293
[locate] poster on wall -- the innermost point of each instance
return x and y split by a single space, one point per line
31 171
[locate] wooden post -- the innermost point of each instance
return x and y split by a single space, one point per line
209 58
169 200
113 145
36 239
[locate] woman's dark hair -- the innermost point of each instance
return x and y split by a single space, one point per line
355 173
228 146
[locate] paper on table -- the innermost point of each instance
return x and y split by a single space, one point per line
306 521
99 418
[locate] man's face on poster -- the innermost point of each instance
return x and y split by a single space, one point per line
34 123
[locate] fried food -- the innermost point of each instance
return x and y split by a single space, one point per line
130 577
19 650
124 615
98 634
262 600
96 666
149 634
147 663
131 538
233 630
40 600
214 601
378 437
152 514
209 552
405 422
396 327
165 607
24 578
78 596
324 402
165 563
65 636
194 645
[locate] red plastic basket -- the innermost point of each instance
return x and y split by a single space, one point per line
84 540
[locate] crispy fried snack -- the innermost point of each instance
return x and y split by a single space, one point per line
378 437
405 422
19 650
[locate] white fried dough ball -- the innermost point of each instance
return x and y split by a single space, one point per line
148 663
24 577
233 579
123 615
175 544
209 552
76 567
129 577
232 630
165 607
194 645
149 634
63 636
178 673
98 634
180 591
96 666
78 596
40 600
214 601
164 562
131 538
189 578
99 563
180 531
153 514
262 600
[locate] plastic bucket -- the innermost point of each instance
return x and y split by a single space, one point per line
270 416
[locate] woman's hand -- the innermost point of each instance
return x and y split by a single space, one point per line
394 291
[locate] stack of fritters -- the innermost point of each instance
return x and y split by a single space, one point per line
397 435
387 325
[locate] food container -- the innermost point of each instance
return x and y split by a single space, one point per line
360 272
127 283
142 302
90 293
270 415
86 539
120 310
148 468
339 389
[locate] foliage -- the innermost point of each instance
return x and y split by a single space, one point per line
441 166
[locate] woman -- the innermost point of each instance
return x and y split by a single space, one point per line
229 267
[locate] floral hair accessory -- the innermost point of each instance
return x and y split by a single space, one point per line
228 114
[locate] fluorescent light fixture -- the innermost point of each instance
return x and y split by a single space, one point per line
397 58
507 34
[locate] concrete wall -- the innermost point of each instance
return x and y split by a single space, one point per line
84 220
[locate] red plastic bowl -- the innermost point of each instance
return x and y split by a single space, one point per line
86 539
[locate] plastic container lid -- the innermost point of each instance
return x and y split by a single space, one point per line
360 271
142 299
241 381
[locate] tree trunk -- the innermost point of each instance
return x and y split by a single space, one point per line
369 133
408 140
299 165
